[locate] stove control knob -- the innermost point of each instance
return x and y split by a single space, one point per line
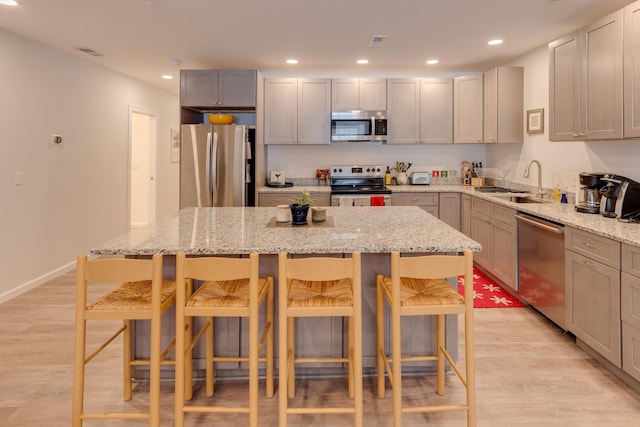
368 169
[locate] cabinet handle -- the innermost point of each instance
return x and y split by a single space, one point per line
588 264
589 245
575 135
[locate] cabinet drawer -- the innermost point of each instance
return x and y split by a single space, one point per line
504 215
595 247
631 350
630 299
631 259
483 206
414 199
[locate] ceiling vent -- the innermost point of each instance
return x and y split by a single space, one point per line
376 41
89 51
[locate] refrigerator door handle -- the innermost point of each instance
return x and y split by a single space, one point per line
196 169
207 178
213 162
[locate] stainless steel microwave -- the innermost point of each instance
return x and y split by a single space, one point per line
358 126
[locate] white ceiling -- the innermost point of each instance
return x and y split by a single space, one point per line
140 38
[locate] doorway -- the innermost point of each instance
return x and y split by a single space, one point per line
142 167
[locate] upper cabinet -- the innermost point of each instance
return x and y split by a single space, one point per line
420 111
367 94
297 111
632 70
503 105
467 109
586 82
218 88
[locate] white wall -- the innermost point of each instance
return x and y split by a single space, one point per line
74 196
561 161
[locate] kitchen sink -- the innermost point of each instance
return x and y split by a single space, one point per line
494 189
521 199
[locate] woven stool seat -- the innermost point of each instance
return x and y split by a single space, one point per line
225 293
133 295
419 292
320 293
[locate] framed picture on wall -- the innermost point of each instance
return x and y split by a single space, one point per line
535 121
175 145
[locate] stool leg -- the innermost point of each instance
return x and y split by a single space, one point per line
380 339
440 343
469 348
210 370
180 391
351 356
127 353
253 368
291 352
282 364
154 370
270 350
78 372
396 355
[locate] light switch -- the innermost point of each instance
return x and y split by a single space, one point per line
18 178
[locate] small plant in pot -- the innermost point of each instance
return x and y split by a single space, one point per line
300 208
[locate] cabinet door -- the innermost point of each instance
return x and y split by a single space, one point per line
465 206
403 103
632 70
450 209
467 109
314 111
602 78
436 111
504 252
237 88
198 88
593 305
503 105
564 88
373 94
281 111
344 94
490 109
481 233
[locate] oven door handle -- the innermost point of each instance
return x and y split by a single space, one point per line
541 225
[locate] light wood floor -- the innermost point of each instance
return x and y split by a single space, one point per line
528 373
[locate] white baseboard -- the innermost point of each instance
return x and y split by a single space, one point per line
12 293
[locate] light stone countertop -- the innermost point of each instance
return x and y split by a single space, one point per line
209 231
561 213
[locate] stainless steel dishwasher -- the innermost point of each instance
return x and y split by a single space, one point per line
541 279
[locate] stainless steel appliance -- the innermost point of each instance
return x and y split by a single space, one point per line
420 178
541 278
358 126
589 196
620 197
359 185
216 165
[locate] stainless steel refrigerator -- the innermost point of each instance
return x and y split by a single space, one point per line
216 165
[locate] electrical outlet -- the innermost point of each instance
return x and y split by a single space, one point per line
18 178
56 140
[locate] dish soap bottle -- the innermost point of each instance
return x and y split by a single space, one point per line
387 177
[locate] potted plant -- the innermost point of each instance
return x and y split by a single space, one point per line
300 208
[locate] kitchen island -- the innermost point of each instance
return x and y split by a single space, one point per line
373 231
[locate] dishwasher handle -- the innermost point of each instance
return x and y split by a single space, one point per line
542 225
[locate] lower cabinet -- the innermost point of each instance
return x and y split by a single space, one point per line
465 214
593 292
494 227
449 209
630 310
427 201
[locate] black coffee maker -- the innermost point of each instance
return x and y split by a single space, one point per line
620 196
589 198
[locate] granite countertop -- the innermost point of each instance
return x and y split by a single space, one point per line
208 231
561 213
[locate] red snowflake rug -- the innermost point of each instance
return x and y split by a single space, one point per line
487 293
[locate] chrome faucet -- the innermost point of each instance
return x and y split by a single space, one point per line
540 192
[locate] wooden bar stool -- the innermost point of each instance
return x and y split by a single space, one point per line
231 288
417 287
139 294
318 287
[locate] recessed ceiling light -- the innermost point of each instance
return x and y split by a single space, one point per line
292 61
363 61
432 61
495 42
167 77
9 2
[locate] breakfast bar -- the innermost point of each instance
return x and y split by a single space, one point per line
237 231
